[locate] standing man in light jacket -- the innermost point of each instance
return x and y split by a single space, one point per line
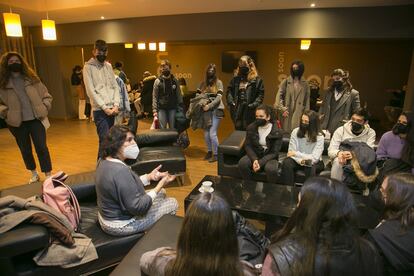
103 89
355 130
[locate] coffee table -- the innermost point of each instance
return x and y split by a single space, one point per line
270 202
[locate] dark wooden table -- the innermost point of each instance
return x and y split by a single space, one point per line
270 202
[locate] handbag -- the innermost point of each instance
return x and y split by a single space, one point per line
183 140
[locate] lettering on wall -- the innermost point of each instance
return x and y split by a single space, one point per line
281 62
180 75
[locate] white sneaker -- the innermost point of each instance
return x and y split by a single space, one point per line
34 179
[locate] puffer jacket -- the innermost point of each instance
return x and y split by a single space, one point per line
101 85
199 118
10 107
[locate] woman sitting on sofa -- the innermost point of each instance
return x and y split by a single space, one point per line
125 207
394 236
320 237
263 142
207 244
305 149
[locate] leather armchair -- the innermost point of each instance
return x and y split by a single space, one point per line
18 246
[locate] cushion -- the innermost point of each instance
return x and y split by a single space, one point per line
157 137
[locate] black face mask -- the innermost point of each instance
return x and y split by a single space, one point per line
356 128
399 129
261 122
337 84
304 127
15 67
295 73
165 73
101 58
244 70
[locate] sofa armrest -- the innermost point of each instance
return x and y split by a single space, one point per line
83 186
156 137
23 239
234 144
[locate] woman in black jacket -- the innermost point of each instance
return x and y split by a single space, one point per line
394 236
320 237
244 93
263 142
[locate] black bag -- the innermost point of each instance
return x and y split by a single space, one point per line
183 140
252 243
181 121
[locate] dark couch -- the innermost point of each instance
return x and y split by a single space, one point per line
18 246
231 150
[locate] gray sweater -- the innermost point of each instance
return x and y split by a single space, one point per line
120 192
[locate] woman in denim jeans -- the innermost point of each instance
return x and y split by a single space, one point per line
214 88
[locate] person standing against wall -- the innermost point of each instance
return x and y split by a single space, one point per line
340 102
166 96
245 93
103 89
293 97
24 104
77 81
213 87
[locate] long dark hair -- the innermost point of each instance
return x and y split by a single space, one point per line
5 73
210 81
207 243
301 68
314 126
325 205
114 141
399 203
408 149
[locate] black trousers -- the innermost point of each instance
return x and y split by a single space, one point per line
270 168
290 166
103 124
27 132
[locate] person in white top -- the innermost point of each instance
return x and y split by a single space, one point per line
355 130
305 149
263 142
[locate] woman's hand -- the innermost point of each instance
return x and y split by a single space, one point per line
156 175
205 108
291 153
256 166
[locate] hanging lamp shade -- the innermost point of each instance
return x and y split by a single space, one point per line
12 24
49 29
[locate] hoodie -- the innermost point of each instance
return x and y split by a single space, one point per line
344 133
100 84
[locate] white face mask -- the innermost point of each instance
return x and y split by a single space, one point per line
131 151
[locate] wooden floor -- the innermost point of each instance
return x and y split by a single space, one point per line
73 148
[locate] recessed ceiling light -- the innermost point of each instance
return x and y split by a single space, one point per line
312 5
102 17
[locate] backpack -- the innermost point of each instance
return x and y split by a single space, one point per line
59 196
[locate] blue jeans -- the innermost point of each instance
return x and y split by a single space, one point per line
166 116
210 134
103 123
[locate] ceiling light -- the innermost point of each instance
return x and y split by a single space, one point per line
129 45
313 5
162 46
102 17
305 44
49 29
152 46
141 46
12 24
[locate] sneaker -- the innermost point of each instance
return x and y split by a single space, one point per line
213 158
34 179
208 155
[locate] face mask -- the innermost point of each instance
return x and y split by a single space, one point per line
304 127
399 129
337 84
261 122
295 73
131 151
244 70
356 128
15 67
101 58
166 73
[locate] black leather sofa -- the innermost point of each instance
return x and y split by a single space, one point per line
231 150
18 246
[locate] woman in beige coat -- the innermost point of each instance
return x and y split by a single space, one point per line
293 97
24 104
